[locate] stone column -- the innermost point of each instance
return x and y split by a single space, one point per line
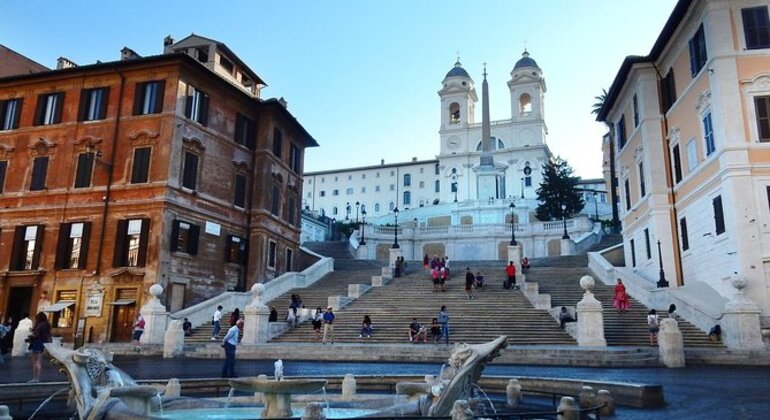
513 393
740 323
362 253
567 247
173 342
155 317
590 323
514 254
22 331
256 324
568 408
348 387
671 344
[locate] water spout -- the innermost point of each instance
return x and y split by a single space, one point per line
47 400
160 403
478 388
229 397
279 370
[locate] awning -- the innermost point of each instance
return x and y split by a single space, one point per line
121 302
58 306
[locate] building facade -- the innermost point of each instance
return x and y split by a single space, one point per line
690 124
117 176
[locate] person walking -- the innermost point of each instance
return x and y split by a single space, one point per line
328 325
229 342
443 276
621 302
425 262
443 320
187 327
317 322
510 272
672 312
654 326
41 334
470 279
215 320
235 316
435 274
138 331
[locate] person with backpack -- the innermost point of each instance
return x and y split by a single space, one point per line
654 326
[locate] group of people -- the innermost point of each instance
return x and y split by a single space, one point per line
216 321
323 324
473 282
400 267
438 329
439 271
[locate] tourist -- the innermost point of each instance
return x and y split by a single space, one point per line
443 276
328 318
652 323
436 279
621 302
672 312
366 327
294 306
416 330
425 262
229 342
41 334
443 320
317 321
273 317
469 280
510 272
187 327
235 316
435 330
524 265
715 333
564 317
446 264
215 319
479 283
138 331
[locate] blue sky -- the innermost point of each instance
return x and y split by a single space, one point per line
362 76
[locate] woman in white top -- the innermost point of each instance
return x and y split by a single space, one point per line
652 323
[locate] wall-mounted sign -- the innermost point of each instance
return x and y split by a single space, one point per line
212 228
94 303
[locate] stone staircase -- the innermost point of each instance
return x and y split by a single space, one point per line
561 281
493 312
606 242
334 249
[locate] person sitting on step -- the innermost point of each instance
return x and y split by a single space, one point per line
564 317
417 331
435 330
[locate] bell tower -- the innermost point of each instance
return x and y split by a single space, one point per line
458 102
527 86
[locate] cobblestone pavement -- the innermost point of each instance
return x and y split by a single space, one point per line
702 392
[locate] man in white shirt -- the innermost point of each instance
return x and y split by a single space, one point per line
229 343
215 320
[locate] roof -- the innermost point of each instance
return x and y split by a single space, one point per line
676 17
230 54
276 104
13 63
363 168
525 61
457 71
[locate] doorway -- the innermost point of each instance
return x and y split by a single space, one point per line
19 303
177 297
122 321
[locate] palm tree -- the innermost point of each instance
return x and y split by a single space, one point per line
597 106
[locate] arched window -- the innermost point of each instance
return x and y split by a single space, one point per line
334 211
497 144
407 180
391 206
407 198
376 207
527 174
436 170
422 203
525 103
438 186
363 207
454 113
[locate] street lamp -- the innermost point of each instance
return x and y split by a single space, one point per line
357 205
513 225
454 185
522 187
395 231
334 225
662 282
564 220
363 227
596 205
347 210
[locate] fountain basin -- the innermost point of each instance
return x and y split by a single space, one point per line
286 386
256 412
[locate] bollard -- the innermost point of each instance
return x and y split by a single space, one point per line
513 393
587 396
568 408
604 397
173 389
4 413
348 387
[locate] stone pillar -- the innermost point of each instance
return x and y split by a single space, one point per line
394 253
513 393
348 387
22 331
173 389
590 323
362 253
671 344
587 396
740 323
461 410
173 340
256 324
568 408
514 254
155 317
567 247
604 397
4 413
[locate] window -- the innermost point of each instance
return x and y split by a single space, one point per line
334 211
72 249
65 317
335 192
642 189
525 103
698 54
289 259
131 243
148 97
93 104
628 194
376 188
376 207
39 173
633 254
683 232
226 64
363 176
392 187
184 237
677 160
276 201
27 244
407 180
647 243
363 190
322 194
528 181
203 54
391 206
3 171
708 134
435 170
294 159
692 155
236 250
240 191
756 27
140 170
407 198
292 211
244 131
349 191
84 170
454 187
190 171
422 184
719 217
271 248
437 186
668 88
762 108
350 177
636 111
278 143
49 106
454 113
197 105
621 134
377 175
10 113
392 173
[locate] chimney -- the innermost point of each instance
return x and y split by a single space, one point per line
168 41
64 63
382 162
414 159
128 54
283 102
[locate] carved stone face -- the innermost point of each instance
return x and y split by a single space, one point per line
95 363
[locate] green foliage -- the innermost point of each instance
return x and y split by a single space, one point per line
345 227
558 187
597 106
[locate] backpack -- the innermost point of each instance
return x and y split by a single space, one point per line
652 321
506 284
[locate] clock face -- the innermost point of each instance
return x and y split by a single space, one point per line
453 143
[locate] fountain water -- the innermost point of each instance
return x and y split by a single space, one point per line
278 370
46 401
492 406
229 397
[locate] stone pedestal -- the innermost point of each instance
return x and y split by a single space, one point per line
671 344
355 291
568 408
173 389
348 387
22 331
4 413
362 253
155 317
513 393
173 342
514 254
394 253
587 396
590 323
256 325
567 247
604 397
740 323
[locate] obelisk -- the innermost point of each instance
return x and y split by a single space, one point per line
486 175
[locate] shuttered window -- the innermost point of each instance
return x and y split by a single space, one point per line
642 186
190 170
627 191
668 88
184 237
197 105
294 158
240 191
3 171
708 134
756 27
276 200
633 253
236 250
140 171
93 104
277 142
677 161
84 170
621 132
27 245
131 238
683 232
72 247
762 108
698 54
647 243
244 131
10 113
49 107
719 217
148 97
39 173
271 251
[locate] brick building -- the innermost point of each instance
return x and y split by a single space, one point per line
166 169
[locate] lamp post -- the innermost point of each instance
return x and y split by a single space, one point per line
522 187
363 227
662 282
357 205
454 185
564 220
334 225
395 230
347 210
513 225
596 205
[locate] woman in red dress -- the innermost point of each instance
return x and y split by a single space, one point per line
621 301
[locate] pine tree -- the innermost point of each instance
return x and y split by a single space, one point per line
558 187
